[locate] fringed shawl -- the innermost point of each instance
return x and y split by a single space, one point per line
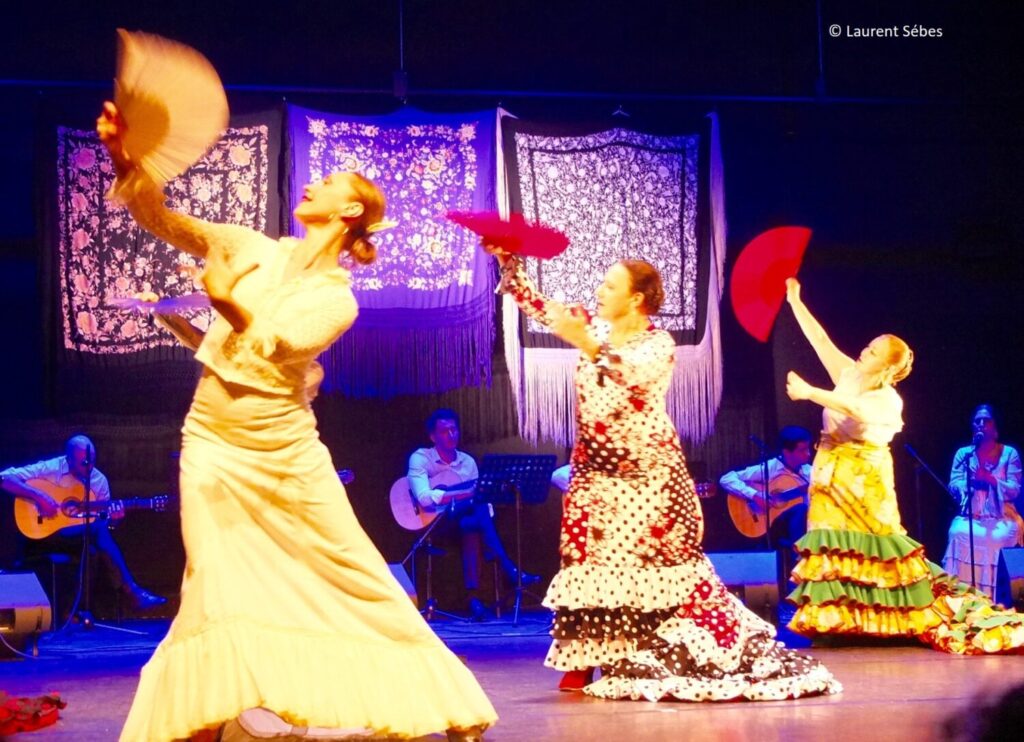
618 194
426 306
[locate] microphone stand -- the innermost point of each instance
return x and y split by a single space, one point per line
84 615
968 503
763 449
430 611
964 463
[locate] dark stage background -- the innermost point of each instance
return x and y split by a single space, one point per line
902 154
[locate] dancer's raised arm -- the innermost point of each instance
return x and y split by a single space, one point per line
833 359
567 323
145 199
847 404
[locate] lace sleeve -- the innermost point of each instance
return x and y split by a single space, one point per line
523 291
303 325
145 201
1009 488
957 475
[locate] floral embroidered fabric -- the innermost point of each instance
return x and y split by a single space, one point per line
103 254
426 320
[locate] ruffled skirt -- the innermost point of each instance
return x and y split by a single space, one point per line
285 603
859 573
991 536
637 597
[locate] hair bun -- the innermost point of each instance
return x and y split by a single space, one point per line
363 251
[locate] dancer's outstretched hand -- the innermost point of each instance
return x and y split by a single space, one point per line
495 250
796 387
111 129
792 291
568 324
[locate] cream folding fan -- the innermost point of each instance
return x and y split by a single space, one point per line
171 100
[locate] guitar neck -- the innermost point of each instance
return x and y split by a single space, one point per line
134 503
128 503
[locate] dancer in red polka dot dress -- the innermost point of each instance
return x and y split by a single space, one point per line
635 596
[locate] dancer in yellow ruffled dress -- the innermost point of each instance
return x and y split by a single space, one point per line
859 572
286 606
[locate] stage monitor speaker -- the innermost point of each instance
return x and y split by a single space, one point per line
24 608
752 576
399 573
1010 578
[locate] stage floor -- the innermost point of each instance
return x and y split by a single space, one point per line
891 692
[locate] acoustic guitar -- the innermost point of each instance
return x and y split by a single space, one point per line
753 524
71 508
412 515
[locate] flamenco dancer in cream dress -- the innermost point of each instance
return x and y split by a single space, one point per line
286 605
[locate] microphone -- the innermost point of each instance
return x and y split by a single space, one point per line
978 437
757 442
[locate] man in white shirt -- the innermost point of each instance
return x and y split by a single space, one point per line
78 465
790 471
443 464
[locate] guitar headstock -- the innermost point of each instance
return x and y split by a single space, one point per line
347 476
706 490
160 503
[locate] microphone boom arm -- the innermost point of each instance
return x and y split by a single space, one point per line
938 480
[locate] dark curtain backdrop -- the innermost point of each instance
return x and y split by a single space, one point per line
917 230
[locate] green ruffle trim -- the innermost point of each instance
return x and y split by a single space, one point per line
858 543
916 596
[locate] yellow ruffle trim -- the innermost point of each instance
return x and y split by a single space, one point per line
871 572
397 689
846 619
965 637
1004 639
934 625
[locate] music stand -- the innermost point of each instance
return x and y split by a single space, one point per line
515 479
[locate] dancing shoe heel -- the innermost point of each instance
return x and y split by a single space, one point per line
574 681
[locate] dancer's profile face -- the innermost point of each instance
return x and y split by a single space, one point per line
615 295
874 359
445 435
328 199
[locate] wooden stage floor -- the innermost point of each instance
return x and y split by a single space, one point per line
896 692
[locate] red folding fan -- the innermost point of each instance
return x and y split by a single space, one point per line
758 284
514 235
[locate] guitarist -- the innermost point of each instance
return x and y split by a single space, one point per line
474 520
78 464
789 472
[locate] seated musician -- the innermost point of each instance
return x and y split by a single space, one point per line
443 464
789 474
75 467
